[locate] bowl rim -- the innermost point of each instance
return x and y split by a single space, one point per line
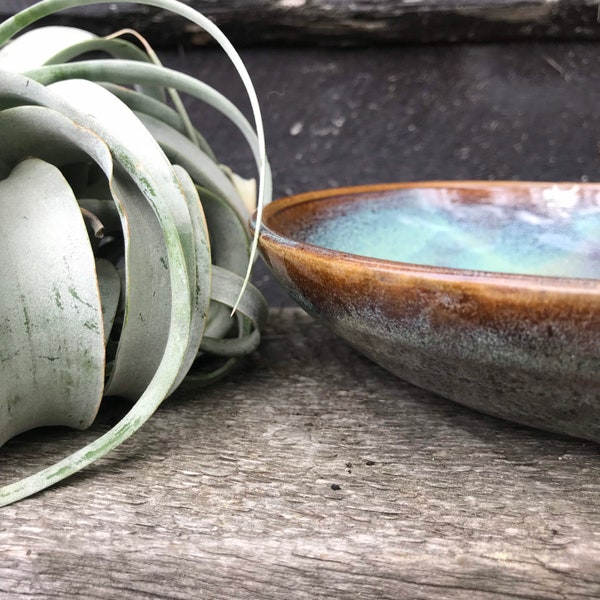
575 285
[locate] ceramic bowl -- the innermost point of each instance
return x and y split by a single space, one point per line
485 293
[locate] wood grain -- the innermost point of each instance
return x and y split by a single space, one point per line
342 22
310 474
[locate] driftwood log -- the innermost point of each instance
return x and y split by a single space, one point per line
341 21
310 474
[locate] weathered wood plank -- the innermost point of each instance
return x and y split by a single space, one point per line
339 21
311 474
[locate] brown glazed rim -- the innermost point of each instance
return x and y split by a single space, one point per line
271 237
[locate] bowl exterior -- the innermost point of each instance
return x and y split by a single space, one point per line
525 349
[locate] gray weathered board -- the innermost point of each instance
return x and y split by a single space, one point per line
342 21
311 474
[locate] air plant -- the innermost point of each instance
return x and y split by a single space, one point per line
123 241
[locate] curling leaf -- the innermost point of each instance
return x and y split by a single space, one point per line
180 150
33 48
51 335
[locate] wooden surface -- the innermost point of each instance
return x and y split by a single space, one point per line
310 474
341 21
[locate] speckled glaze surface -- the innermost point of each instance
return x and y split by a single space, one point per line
485 293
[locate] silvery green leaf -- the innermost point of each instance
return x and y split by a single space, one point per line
146 323
230 250
250 318
204 171
134 72
35 47
142 104
252 308
114 47
146 320
226 288
198 256
46 133
231 239
51 336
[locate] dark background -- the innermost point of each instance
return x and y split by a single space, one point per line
337 117
380 91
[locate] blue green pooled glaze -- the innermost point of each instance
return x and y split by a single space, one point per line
554 236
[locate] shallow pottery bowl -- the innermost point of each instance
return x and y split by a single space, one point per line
486 293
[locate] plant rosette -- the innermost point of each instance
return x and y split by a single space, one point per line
139 235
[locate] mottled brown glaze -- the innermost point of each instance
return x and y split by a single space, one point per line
522 347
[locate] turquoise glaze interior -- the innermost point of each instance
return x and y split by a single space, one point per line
549 230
